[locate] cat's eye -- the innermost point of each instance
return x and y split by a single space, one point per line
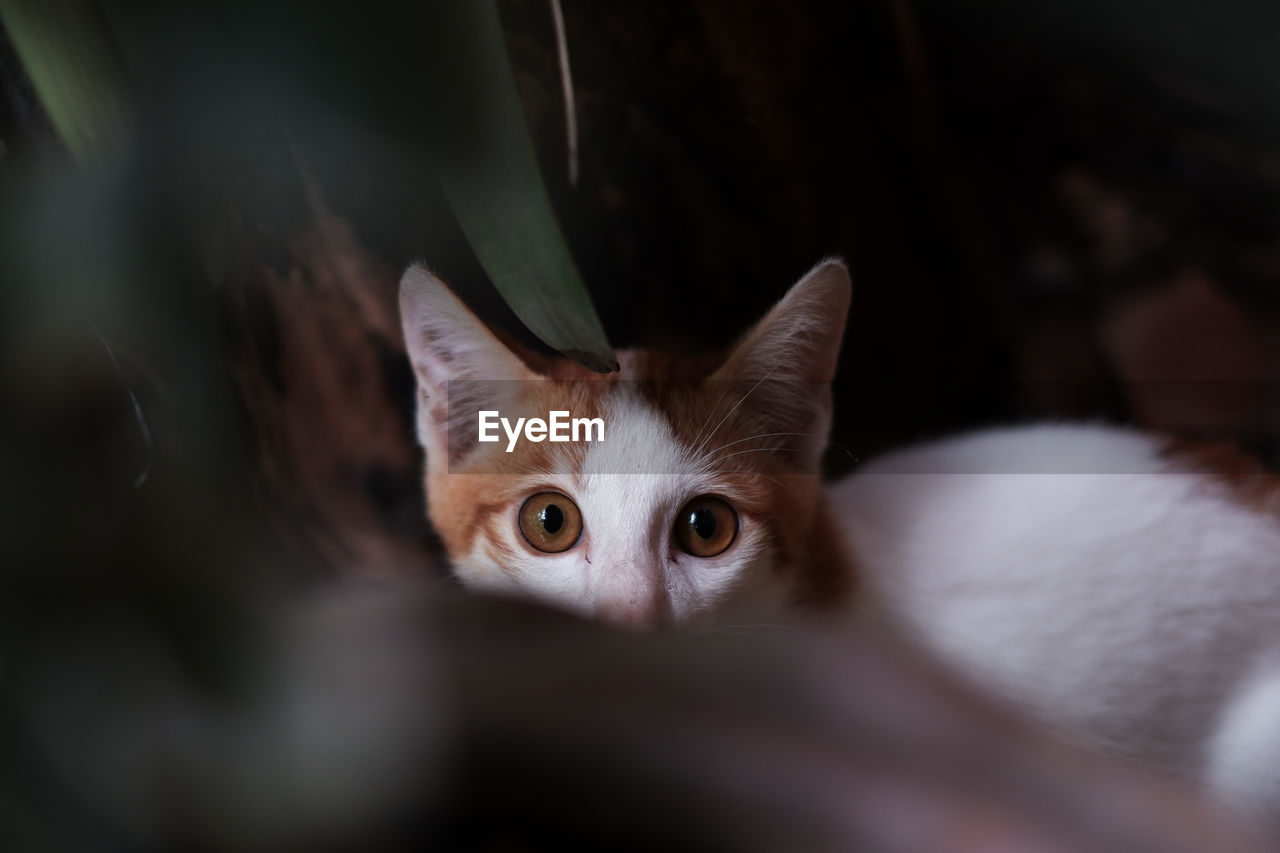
550 522
706 526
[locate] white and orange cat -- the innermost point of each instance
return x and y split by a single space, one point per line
1121 588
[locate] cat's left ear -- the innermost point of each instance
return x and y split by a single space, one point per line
799 339
455 355
781 370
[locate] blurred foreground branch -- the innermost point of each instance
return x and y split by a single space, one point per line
387 715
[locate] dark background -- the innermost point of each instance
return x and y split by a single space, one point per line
1048 212
1066 213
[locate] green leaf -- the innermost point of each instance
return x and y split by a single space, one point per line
66 49
437 74
496 191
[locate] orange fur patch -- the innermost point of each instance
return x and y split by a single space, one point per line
1245 478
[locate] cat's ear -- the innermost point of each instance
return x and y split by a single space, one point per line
799 339
448 346
781 370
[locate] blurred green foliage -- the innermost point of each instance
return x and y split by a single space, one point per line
205 76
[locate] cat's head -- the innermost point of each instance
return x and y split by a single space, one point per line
698 502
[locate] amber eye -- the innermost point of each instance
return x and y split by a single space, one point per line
706 526
550 522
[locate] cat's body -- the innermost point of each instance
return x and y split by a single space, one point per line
1121 589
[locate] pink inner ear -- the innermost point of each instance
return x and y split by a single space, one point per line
445 340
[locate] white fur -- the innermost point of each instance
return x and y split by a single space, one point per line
1127 601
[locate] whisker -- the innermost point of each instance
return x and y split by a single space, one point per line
761 435
698 450
761 450
698 437
773 480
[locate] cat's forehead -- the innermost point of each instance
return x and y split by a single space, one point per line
640 474
640 439
654 419
657 420
648 462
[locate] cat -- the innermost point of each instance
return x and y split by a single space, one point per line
1121 588
676 446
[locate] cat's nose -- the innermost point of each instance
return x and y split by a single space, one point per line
640 612
630 594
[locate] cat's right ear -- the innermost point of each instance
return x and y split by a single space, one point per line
447 343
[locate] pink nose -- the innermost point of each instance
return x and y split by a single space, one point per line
633 613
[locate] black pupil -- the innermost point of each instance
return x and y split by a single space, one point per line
703 522
552 518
